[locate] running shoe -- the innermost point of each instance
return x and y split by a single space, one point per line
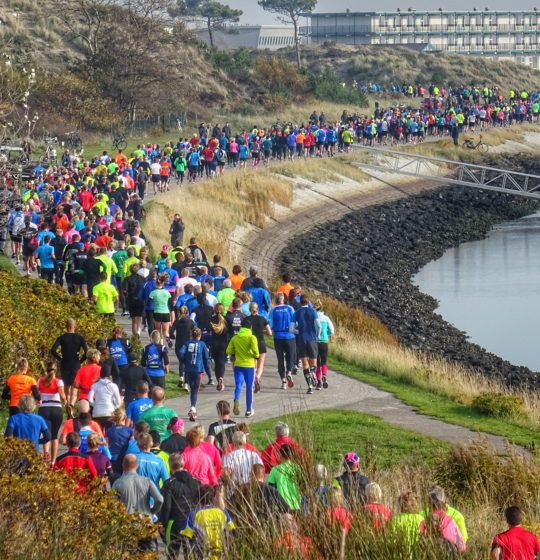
295 370
290 382
220 385
145 328
69 412
284 385
192 415
13 255
181 382
236 407
211 382
309 391
257 386
319 385
250 413
228 360
169 342
324 382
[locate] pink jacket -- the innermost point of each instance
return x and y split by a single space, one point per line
199 464
448 528
213 452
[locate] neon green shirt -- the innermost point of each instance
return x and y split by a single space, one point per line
127 263
106 294
283 476
110 266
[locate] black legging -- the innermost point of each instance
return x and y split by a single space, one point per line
53 416
219 355
322 356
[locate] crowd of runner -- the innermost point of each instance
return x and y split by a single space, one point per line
79 225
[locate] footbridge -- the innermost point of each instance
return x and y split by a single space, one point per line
447 171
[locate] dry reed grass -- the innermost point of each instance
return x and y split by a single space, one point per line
426 372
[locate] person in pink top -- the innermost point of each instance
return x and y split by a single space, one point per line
196 461
381 514
438 520
210 449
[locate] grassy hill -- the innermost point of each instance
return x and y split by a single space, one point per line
397 65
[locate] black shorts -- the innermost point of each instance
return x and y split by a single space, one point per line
16 238
78 279
162 318
320 144
53 417
28 251
307 349
136 308
156 178
266 154
68 374
332 144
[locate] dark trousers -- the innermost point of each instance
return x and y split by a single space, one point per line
121 296
47 274
219 355
285 352
59 270
150 320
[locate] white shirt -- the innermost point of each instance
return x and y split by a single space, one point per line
211 300
241 462
105 396
156 169
182 282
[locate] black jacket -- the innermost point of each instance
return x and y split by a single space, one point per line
180 497
129 377
174 444
181 331
132 286
353 485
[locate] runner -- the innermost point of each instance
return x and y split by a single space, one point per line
260 327
19 384
327 329
155 359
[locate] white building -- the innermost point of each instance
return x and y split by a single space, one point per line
271 37
497 35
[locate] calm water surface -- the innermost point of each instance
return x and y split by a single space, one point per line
491 290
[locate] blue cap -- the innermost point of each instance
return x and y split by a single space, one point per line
79 245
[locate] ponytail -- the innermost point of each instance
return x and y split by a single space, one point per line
51 369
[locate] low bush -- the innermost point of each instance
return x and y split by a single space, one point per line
34 314
498 405
277 101
41 515
327 87
245 110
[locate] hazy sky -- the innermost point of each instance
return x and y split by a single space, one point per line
255 15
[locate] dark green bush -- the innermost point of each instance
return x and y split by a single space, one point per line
245 110
327 87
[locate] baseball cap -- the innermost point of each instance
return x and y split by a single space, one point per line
253 268
101 343
132 357
352 459
79 245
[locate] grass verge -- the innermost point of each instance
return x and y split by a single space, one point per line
443 407
7 264
380 445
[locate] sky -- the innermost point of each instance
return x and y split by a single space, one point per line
255 15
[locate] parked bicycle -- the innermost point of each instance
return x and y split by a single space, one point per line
74 140
119 143
480 146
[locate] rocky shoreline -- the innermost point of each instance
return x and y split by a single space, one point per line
367 259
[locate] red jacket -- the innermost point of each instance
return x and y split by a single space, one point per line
74 460
86 199
270 455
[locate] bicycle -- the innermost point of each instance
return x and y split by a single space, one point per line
74 141
119 143
469 144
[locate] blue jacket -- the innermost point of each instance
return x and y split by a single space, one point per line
262 298
195 357
280 319
327 327
146 289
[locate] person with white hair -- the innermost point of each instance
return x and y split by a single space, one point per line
380 513
26 424
240 460
271 455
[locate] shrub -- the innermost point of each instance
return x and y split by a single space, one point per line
498 405
327 87
238 63
41 515
245 110
34 314
277 101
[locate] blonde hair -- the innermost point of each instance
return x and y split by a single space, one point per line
199 428
93 441
253 308
334 497
156 337
373 493
93 355
183 312
118 416
221 326
21 366
318 306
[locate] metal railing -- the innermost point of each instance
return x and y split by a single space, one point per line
448 171
139 127
446 28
